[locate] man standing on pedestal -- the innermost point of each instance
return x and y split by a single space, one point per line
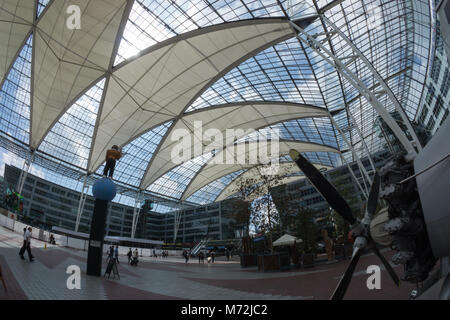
113 154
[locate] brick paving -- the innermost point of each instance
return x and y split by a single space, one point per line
171 278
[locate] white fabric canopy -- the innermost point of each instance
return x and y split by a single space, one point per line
16 19
164 80
66 61
245 116
285 169
213 171
262 189
286 240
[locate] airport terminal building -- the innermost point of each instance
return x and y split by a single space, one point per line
47 204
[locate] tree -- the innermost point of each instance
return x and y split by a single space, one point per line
240 216
287 207
305 228
256 191
241 205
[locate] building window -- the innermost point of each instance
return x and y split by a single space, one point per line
423 114
445 83
42 185
30 180
438 106
436 69
439 40
59 191
444 117
430 124
430 94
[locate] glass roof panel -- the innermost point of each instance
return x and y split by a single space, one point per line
395 36
41 6
211 191
279 73
15 97
176 180
152 21
137 154
317 130
70 138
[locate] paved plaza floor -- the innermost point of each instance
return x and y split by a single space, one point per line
170 278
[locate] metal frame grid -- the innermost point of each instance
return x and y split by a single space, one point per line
396 41
41 4
15 97
131 167
211 191
174 182
152 21
70 138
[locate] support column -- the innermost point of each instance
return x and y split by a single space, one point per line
364 192
369 156
342 67
83 196
177 220
23 175
220 222
415 140
136 212
95 250
104 191
355 156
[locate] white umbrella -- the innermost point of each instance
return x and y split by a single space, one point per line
287 240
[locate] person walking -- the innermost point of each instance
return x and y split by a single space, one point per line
24 245
201 257
186 256
113 154
135 260
227 253
116 253
213 255
27 245
129 255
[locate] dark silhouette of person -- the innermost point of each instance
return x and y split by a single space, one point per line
129 255
201 257
186 256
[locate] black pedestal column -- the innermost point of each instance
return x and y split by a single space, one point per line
95 251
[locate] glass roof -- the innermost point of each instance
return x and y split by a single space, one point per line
71 137
131 167
15 97
176 180
41 6
210 192
152 21
393 35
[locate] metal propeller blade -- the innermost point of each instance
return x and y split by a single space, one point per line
347 277
322 185
386 264
372 202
